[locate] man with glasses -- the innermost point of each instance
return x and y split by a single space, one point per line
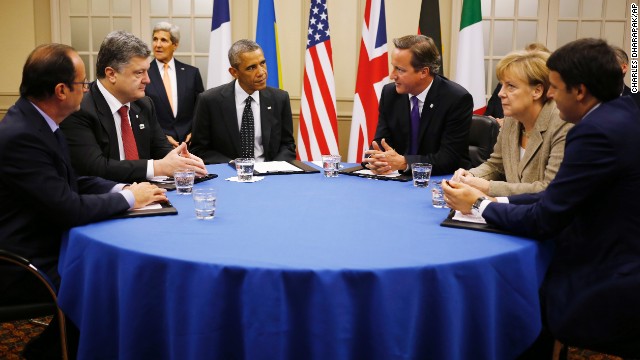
115 134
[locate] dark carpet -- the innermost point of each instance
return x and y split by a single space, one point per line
15 335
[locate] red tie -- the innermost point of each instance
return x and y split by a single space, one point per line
128 141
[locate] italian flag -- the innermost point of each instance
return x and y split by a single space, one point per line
470 64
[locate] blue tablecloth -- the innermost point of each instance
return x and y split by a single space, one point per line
301 267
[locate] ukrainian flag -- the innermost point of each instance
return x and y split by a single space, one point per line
267 37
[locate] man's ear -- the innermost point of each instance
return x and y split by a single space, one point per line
581 91
110 74
60 91
234 72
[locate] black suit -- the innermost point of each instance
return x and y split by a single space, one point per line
189 86
39 193
592 288
444 125
634 96
93 141
216 135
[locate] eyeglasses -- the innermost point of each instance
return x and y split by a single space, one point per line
85 84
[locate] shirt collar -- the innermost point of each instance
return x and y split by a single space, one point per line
423 95
172 64
241 95
114 104
52 124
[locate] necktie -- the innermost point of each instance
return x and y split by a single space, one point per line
415 125
128 141
246 130
167 85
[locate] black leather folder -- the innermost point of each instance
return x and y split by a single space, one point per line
449 222
167 209
352 171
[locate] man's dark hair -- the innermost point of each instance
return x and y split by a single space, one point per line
424 52
117 49
591 62
47 66
240 47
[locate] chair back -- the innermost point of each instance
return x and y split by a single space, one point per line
482 137
15 312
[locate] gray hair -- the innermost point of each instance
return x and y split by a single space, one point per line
241 47
173 30
621 55
117 49
424 52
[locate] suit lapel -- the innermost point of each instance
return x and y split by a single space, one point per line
534 142
428 107
266 117
181 81
106 120
140 132
229 114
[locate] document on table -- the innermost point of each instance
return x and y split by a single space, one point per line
275 166
477 219
154 206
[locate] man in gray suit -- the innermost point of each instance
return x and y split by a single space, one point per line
244 118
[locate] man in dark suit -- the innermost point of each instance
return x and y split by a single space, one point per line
423 117
39 192
174 91
590 294
115 134
623 59
244 118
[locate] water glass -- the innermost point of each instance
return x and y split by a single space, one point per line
184 181
331 165
204 201
421 174
437 195
244 169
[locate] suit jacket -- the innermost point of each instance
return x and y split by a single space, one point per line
494 105
444 125
39 192
189 86
93 141
634 96
590 294
510 175
216 135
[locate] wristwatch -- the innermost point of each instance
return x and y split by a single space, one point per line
476 205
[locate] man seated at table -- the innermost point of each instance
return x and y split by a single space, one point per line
40 195
115 134
244 118
590 294
423 117
623 59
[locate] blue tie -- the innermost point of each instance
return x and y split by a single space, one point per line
415 125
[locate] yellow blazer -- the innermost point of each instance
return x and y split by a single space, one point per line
510 175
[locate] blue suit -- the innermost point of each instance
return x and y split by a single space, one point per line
189 86
39 192
591 294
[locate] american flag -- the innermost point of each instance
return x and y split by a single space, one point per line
318 132
373 73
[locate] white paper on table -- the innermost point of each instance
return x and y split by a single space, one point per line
235 179
275 166
468 218
368 172
154 206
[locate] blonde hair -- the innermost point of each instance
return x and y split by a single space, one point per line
529 66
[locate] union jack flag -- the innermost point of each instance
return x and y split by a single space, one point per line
318 132
373 72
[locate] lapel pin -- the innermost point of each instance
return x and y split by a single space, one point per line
136 116
431 106
141 126
268 107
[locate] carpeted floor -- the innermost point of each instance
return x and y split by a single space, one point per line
15 335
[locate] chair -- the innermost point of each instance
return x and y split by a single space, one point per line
482 137
33 310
